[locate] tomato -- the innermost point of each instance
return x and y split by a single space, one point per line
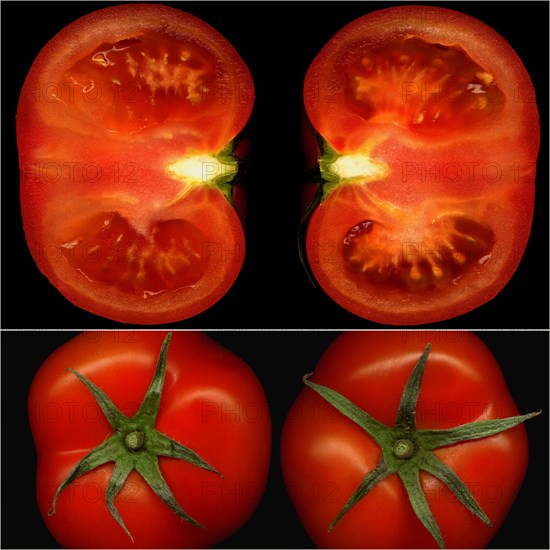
125 129
428 135
211 404
360 420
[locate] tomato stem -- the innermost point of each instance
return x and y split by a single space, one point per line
403 448
406 450
134 440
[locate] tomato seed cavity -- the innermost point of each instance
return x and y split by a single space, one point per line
428 88
110 251
141 82
452 246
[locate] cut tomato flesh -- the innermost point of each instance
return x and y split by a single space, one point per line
452 245
144 81
428 88
110 251
409 267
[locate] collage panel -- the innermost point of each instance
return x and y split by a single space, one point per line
294 421
108 229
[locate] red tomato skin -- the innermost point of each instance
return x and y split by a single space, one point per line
211 402
72 166
509 142
326 456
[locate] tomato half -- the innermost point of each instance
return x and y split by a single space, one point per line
429 135
124 127
326 456
211 403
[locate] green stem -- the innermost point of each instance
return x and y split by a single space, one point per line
134 440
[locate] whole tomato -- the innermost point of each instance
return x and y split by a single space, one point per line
427 135
126 128
153 444
404 440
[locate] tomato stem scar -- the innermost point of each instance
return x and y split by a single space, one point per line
403 448
134 440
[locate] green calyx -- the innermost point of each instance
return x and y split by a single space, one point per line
406 451
135 445
227 179
334 170
324 175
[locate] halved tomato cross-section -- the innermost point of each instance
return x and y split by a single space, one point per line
125 129
427 133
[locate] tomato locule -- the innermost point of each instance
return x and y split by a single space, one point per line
427 134
126 130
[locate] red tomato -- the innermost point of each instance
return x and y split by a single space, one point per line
124 130
430 135
211 403
325 456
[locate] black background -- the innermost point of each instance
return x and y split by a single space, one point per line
279 359
278 41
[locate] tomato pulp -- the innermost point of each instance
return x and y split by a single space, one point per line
210 403
428 134
124 127
326 455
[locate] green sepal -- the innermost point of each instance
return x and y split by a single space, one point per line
227 180
162 445
433 439
406 413
150 472
370 481
327 181
433 465
121 471
97 457
302 233
407 465
142 455
327 178
410 477
378 431
112 414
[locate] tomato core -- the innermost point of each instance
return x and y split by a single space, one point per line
428 88
109 250
449 246
143 81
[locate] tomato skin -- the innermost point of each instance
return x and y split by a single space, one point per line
74 165
428 175
211 402
325 456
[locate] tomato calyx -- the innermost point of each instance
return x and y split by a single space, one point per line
135 445
407 450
